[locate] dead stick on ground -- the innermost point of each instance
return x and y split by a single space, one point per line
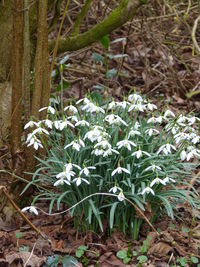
4 190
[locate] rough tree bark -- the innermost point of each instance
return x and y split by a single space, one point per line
38 66
17 44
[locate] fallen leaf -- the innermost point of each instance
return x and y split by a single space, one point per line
24 257
160 249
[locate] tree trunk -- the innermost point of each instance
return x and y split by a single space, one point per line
17 45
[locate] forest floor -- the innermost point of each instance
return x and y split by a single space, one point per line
159 64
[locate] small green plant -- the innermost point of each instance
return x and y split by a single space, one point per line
80 251
146 244
142 259
24 249
194 260
124 255
80 254
182 261
104 159
18 236
65 261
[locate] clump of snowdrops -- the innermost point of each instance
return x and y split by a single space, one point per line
127 149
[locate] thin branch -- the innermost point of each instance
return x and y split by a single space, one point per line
118 17
81 17
194 29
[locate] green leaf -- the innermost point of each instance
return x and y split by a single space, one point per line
182 261
69 261
134 253
24 249
112 213
111 73
126 260
53 261
142 259
79 253
82 247
105 42
98 58
65 86
194 259
18 235
122 254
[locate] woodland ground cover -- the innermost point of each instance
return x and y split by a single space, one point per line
148 56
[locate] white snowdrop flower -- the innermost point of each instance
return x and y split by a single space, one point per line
168 113
193 153
139 153
91 107
79 180
192 120
57 124
82 123
109 152
152 120
76 145
147 190
86 170
29 137
95 134
64 124
195 138
61 181
103 144
137 107
136 126
119 170
151 106
114 189
126 143
98 152
31 209
71 108
183 155
157 181
133 98
110 118
73 118
84 100
153 168
31 124
112 105
65 175
168 180
182 120
121 196
159 119
180 136
40 130
166 149
151 131
123 104
48 123
133 133
115 119
49 109
35 142
69 166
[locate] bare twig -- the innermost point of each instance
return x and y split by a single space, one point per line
196 46
4 190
